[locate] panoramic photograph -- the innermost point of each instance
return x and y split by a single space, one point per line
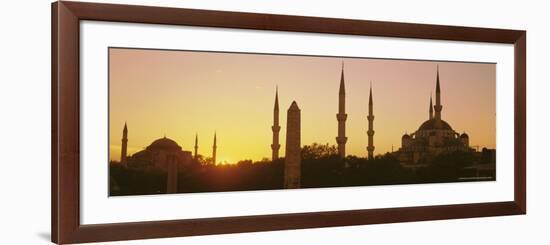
197 121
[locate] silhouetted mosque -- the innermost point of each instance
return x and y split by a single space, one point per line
162 154
433 137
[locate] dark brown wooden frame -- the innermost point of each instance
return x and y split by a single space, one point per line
66 227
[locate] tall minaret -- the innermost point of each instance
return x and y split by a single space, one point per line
341 117
431 109
196 145
123 151
438 105
275 128
370 132
214 150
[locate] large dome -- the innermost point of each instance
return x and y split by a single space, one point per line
433 124
164 144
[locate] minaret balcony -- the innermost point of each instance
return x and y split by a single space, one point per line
341 117
341 140
276 129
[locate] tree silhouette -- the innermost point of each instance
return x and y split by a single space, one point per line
317 151
321 167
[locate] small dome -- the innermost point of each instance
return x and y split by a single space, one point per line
406 136
164 144
464 135
433 124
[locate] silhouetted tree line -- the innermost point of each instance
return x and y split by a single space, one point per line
321 167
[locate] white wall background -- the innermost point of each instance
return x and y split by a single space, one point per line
25 121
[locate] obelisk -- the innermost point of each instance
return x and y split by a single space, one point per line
293 148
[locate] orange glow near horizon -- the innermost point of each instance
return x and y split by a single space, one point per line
183 93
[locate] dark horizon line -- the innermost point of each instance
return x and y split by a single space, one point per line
380 154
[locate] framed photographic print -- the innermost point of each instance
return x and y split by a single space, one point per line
176 122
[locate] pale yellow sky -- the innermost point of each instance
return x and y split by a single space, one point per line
180 93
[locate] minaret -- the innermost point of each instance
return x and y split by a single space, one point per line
214 150
341 117
275 128
438 105
293 160
196 145
370 132
123 151
431 109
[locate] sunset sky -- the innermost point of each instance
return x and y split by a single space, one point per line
180 93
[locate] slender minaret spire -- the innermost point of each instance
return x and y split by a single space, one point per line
341 139
123 151
196 145
214 150
431 108
438 105
275 128
370 132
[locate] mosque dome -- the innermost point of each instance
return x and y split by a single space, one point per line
406 136
433 124
464 135
164 144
